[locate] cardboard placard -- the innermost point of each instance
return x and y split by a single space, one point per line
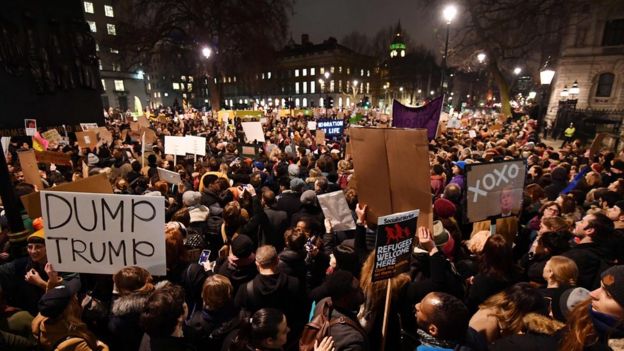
96 184
31 126
472 134
336 209
58 158
88 126
134 126
87 139
393 244
143 122
52 136
150 135
331 127
311 125
102 233
169 176
320 137
28 163
175 145
494 189
392 171
253 131
105 135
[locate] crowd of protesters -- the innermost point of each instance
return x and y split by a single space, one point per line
550 278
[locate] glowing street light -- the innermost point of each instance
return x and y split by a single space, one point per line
326 75
574 90
206 52
449 13
517 70
481 57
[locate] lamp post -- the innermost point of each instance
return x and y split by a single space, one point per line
323 90
449 13
206 53
354 88
546 76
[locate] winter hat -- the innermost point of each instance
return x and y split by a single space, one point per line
460 164
308 197
296 184
570 298
444 208
37 237
613 281
440 235
37 223
619 165
198 213
191 198
54 301
242 246
92 160
596 167
259 165
293 170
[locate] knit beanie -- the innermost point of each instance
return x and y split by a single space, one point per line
613 282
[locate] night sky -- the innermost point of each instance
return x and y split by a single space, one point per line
324 18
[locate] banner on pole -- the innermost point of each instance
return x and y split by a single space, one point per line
100 234
253 131
175 145
393 246
427 116
331 127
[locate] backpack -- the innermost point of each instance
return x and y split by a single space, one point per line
319 327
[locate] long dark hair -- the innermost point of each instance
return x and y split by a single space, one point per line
253 330
497 258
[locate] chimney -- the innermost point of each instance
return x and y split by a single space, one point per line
305 39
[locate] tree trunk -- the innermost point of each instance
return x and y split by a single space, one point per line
503 88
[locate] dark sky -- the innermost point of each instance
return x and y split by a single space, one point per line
324 18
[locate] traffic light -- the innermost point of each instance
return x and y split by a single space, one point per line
330 102
366 102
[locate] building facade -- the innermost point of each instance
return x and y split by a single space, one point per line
122 89
591 66
307 75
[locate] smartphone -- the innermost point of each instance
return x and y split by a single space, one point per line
309 245
203 257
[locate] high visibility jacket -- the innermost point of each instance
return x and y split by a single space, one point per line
569 132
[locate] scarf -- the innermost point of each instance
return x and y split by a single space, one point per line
429 340
605 324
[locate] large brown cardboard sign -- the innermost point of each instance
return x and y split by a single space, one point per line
96 184
28 162
87 139
150 135
392 170
52 136
58 158
105 135
320 137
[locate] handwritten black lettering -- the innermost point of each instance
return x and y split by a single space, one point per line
135 249
78 216
121 248
58 247
120 209
48 197
78 252
135 215
93 253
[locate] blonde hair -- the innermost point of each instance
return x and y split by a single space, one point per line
216 292
565 271
375 292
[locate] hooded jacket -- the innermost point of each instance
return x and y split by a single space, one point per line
238 270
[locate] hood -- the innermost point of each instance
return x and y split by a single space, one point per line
269 284
537 323
198 213
292 257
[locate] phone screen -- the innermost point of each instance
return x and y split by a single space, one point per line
205 254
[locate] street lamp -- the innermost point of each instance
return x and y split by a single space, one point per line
517 70
481 57
564 93
206 52
574 90
449 13
546 76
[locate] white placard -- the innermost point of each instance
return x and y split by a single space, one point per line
195 145
311 125
6 141
87 126
175 145
336 209
169 176
253 131
472 133
263 120
102 233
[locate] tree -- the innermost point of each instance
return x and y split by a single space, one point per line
243 36
357 42
510 32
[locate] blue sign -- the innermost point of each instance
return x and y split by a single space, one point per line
331 127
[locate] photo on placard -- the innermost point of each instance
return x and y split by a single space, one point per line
31 126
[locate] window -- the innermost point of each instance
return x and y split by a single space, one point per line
304 72
339 69
613 33
110 28
331 86
367 88
119 85
605 84
340 102
362 73
108 11
88 6
340 86
312 87
332 69
116 67
92 26
176 86
183 78
368 72
234 79
189 87
97 47
322 70
149 86
312 71
114 51
305 102
155 94
296 73
348 70
103 84
305 87
100 64
262 75
297 104
268 76
296 87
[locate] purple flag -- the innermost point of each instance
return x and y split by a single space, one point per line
426 116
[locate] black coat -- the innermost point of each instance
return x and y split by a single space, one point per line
289 201
293 264
165 343
207 329
590 260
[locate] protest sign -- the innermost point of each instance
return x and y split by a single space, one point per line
393 245
88 126
52 136
311 125
87 139
427 116
150 135
58 158
31 126
336 209
169 176
601 141
253 131
494 189
392 171
248 150
175 145
105 135
143 122
331 127
28 162
6 141
195 145
472 134
102 233
320 137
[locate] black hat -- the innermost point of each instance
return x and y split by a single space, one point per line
242 246
618 164
54 301
613 282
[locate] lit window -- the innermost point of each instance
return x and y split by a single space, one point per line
322 70
176 86
92 26
100 64
268 76
339 69
305 87
97 47
348 101
321 102
88 6
296 87
340 86
149 86
119 85
114 51
230 79
155 94
190 79
305 102
103 84
108 11
189 87
296 73
332 69
312 71
183 78
304 72
331 86
348 70
262 75
312 87
297 104
110 28
368 72
340 101
362 72
234 79
367 88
